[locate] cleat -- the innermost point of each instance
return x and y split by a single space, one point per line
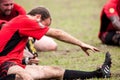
105 69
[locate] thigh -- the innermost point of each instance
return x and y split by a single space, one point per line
45 44
44 72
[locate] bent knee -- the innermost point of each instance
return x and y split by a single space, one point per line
52 47
57 71
46 46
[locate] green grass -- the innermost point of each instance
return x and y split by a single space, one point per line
80 18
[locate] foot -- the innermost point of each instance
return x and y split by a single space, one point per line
105 69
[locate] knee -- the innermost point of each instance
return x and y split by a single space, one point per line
58 71
46 46
52 47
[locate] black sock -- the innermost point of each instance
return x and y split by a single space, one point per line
73 74
8 77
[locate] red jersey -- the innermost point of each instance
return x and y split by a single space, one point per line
17 10
108 10
14 35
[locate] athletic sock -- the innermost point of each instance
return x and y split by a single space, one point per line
73 74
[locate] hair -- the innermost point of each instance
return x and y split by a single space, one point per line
40 10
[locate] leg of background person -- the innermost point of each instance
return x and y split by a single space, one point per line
45 44
112 38
116 39
27 53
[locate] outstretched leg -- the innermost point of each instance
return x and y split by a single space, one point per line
103 72
51 73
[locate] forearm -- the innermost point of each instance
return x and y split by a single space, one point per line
65 37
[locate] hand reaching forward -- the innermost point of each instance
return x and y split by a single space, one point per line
86 47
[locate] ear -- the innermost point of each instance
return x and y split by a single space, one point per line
38 16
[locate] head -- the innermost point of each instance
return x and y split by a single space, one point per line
43 15
6 6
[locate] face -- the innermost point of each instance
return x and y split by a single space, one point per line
46 22
6 6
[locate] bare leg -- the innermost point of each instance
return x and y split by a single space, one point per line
45 44
45 72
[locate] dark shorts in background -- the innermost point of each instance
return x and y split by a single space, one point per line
108 38
112 38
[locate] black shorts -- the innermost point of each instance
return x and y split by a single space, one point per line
112 38
4 68
108 38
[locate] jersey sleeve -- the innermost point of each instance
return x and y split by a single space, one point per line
110 9
32 29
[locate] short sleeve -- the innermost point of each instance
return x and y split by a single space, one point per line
31 28
110 9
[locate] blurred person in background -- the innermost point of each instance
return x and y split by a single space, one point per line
109 32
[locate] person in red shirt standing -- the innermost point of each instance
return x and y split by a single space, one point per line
36 24
110 23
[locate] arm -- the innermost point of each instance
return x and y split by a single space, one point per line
65 37
116 22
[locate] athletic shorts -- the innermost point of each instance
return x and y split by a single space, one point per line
112 38
4 68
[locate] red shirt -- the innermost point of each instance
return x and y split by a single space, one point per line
17 10
19 28
108 10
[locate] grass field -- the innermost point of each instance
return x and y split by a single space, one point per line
80 18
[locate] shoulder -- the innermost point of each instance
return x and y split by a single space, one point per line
111 3
110 7
19 9
21 18
24 20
